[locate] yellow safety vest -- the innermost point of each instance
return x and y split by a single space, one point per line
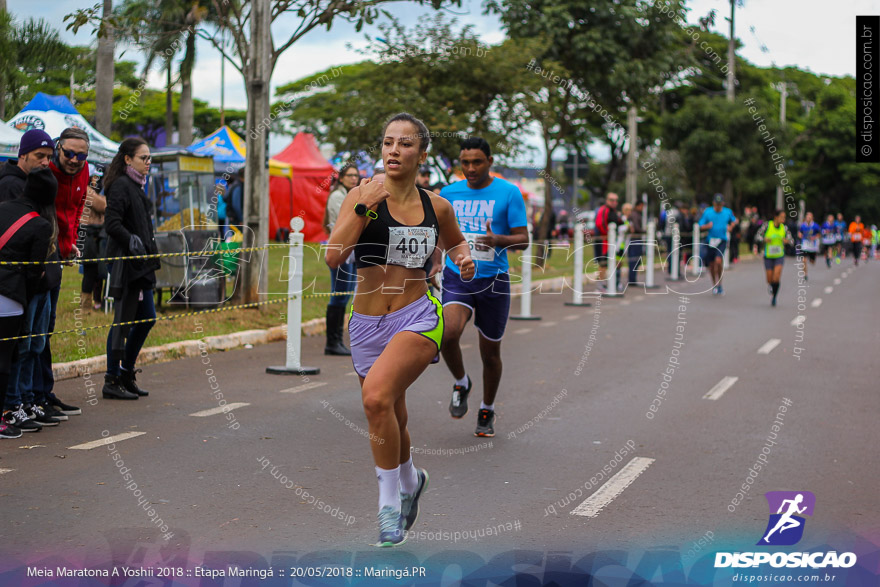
774 241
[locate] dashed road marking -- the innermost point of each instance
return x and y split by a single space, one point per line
837 281
720 387
466 346
572 317
304 387
612 488
549 324
816 303
352 373
829 289
3 471
798 319
106 441
625 303
219 410
639 298
768 346
522 331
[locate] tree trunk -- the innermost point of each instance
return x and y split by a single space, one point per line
544 228
104 74
186 113
258 71
169 107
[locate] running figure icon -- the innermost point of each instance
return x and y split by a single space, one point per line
786 522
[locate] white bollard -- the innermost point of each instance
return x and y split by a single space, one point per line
695 251
650 242
727 251
612 262
578 285
294 306
525 299
675 256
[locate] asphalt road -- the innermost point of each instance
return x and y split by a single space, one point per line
568 405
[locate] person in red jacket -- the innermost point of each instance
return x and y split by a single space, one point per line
72 172
605 215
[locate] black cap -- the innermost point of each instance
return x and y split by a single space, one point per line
719 198
41 186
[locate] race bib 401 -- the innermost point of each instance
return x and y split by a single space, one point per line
410 246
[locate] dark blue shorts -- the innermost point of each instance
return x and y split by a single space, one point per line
488 299
711 253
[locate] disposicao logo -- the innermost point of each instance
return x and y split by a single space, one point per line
786 528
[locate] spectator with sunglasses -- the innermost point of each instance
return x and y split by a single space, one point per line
69 166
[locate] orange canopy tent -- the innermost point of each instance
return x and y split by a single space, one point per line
303 193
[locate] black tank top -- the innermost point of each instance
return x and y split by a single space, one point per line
385 241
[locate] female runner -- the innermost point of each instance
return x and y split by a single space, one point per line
396 325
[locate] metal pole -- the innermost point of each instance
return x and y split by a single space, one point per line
731 58
578 285
650 242
525 308
727 252
676 253
525 299
612 261
293 365
695 251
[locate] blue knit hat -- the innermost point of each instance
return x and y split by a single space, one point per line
33 140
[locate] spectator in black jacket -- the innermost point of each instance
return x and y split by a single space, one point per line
25 235
130 230
35 150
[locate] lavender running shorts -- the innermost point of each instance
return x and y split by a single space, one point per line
371 334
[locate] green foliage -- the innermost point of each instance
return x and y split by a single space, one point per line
825 154
717 140
455 84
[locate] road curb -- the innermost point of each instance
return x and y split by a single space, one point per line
187 348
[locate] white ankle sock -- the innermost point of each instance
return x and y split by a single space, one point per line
463 381
409 478
389 479
483 406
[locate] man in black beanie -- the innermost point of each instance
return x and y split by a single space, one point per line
34 151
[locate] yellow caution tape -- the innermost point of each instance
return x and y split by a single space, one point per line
175 316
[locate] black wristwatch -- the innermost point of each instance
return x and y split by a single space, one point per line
362 210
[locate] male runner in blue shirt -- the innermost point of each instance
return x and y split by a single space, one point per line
718 220
492 216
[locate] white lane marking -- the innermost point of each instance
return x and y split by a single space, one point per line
612 488
640 298
768 346
548 324
572 317
798 319
304 387
352 373
829 289
816 303
2 471
837 281
219 409
720 387
522 331
466 346
845 275
106 441
625 303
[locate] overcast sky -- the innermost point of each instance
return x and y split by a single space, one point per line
795 32
803 33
